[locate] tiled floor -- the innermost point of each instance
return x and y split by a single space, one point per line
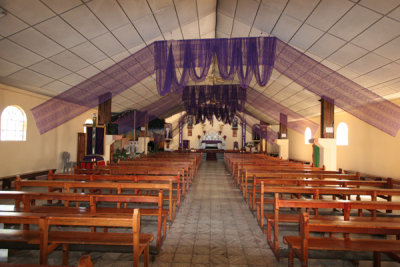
214 226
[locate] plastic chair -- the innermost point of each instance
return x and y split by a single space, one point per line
68 165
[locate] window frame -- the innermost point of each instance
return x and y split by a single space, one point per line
342 132
308 133
5 123
88 122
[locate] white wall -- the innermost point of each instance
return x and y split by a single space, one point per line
370 150
38 152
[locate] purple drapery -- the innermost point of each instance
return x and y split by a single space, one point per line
250 124
87 94
256 132
327 83
180 133
271 135
244 57
264 132
154 110
125 122
221 101
99 146
292 63
273 110
283 119
243 134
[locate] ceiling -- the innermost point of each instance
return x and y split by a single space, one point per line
49 46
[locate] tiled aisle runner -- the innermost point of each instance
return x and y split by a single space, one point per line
214 226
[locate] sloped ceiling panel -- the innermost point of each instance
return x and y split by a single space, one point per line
361 31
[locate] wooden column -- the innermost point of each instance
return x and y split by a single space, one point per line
104 109
146 131
244 132
283 126
264 132
134 125
327 118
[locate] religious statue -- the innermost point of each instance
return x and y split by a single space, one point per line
168 131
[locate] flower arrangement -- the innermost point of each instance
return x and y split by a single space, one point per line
250 144
120 155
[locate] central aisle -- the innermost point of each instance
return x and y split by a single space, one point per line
214 226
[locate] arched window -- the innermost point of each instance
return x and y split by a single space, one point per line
13 124
307 136
342 134
87 122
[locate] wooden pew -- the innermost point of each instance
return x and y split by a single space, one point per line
7 181
91 171
197 157
316 192
246 170
238 164
293 179
152 182
300 245
187 166
50 240
281 172
290 174
30 198
159 171
84 261
275 218
184 169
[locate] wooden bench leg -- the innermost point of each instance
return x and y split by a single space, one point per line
159 231
291 256
65 254
269 232
136 256
377 259
164 229
276 242
44 240
146 256
85 261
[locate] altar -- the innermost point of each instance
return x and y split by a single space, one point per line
212 140
211 144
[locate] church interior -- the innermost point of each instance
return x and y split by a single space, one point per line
199 133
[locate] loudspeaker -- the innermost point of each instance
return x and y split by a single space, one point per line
112 129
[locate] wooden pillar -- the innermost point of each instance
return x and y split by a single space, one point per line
134 125
243 132
104 109
264 133
283 126
146 131
327 118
